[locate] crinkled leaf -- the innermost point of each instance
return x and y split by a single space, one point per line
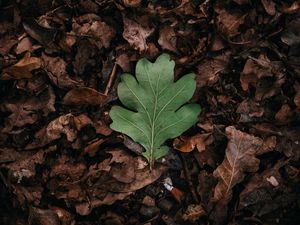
155 101
240 158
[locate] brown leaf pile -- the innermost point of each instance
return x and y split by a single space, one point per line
60 64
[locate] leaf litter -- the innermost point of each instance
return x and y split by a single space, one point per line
60 65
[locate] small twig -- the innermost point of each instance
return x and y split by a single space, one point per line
111 78
189 180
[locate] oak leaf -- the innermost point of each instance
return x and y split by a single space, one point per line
240 157
156 101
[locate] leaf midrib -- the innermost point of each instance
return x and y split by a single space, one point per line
155 117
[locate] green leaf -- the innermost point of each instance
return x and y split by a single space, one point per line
153 102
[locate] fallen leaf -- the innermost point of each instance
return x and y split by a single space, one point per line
85 57
21 69
269 6
261 192
82 121
240 157
132 3
45 36
167 38
208 70
97 31
136 34
27 110
297 95
64 216
85 208
92 148
102 128
67 171
187 144
284 114
193 213
228 22
84 96
43 216
25 45
56 70
249 110
54 130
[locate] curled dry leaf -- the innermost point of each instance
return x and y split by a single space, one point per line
240 157
53 131
26 110
21 69
228 23
269 6
43 216
187 144
126 175
193 213
268 192
167 38
92 26
249 110
132 3
208 70
56 70
136 34
84 96
297 95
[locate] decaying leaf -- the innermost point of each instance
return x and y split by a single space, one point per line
126 175
156 97
84 96
240 158
56 70
21 69
90 25
28 110
167 38
208 70
229 22
43 216
187 144
136 34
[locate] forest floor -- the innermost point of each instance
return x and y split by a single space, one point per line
60 65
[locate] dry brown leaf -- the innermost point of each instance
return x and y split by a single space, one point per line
43 216
53 131
297 95
22 69
102 128
240 157
269 6
85 208
132 3
136 34
67 171
84 96
193 213
284 114
229 22
249 110
93 147
27 110
97 31
187 144
56 70
82 121
208 70
167 38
